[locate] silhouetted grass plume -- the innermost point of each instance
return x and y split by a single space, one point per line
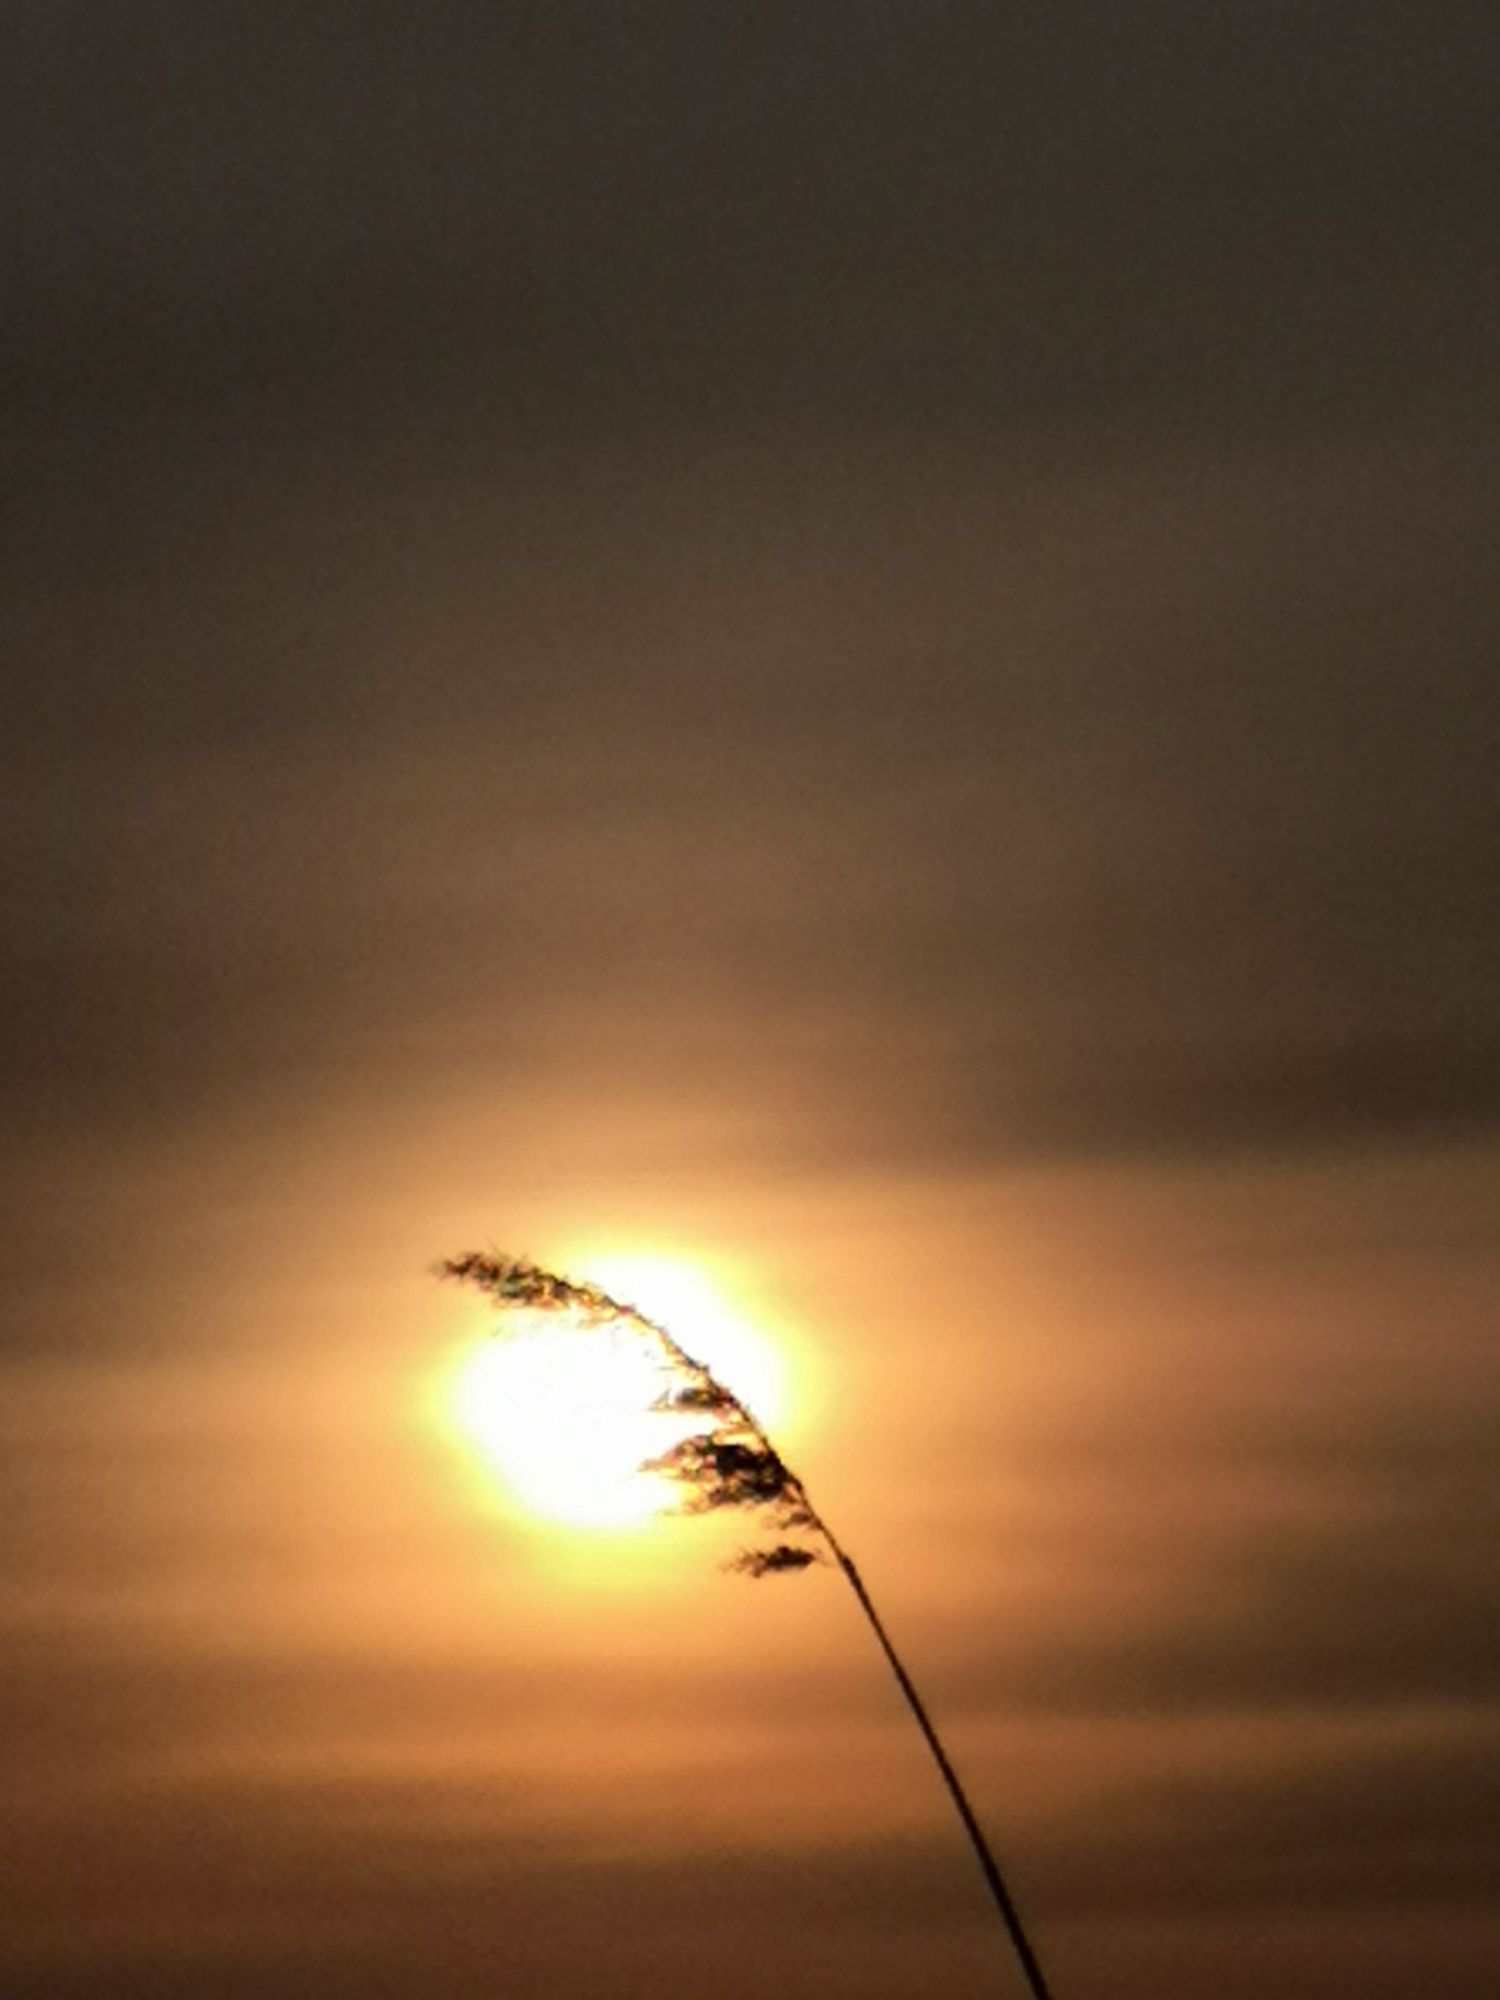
731 1462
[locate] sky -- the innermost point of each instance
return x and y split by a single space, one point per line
841 658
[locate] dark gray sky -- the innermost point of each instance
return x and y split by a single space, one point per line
857 637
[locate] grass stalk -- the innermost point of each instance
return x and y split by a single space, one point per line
734 1464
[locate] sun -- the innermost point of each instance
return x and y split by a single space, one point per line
559 1411
561 1414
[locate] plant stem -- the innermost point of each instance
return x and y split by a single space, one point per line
517 1281
1010 1916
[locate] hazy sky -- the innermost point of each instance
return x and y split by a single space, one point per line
854 646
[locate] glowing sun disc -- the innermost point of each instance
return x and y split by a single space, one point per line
558 1410
561 1413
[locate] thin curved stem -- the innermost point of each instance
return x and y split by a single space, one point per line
990 1868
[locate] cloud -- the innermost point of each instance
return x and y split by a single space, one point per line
1406 1822
1013 219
